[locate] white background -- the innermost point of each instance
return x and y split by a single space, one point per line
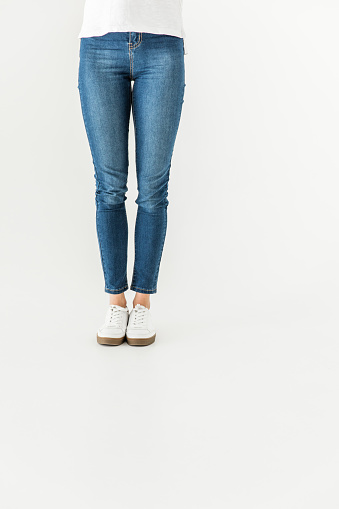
236 403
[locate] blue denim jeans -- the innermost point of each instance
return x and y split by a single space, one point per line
120 72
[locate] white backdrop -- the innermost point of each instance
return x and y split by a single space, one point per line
235 404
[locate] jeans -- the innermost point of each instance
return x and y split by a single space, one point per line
108 65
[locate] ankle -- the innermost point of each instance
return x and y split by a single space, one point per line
143 299
118 300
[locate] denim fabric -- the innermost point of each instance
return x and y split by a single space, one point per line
120 72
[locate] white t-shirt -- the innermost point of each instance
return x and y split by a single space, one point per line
154 16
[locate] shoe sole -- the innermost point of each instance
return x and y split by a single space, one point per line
140 341
110 341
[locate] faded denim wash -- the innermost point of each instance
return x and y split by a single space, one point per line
120 72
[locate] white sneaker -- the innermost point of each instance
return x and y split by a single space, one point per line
114 329
140 330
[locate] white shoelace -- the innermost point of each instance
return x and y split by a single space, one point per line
139 317
114 317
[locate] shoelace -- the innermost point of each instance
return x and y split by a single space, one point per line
139 317
115 317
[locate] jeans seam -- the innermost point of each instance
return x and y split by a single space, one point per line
125 287
145 289
138 43
130 47
130 57
100 247
135 247
162 248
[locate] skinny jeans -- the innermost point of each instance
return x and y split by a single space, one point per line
142 73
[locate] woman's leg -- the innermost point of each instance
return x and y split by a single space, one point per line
142 298
105 93
157 98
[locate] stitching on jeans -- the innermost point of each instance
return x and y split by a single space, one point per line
135 247
145 289
163 243
132 47
139 41
100 244
130 55
138 215
117 289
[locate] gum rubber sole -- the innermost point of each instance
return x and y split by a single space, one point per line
110 341
140 341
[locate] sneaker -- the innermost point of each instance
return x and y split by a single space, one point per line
140 330
114 329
